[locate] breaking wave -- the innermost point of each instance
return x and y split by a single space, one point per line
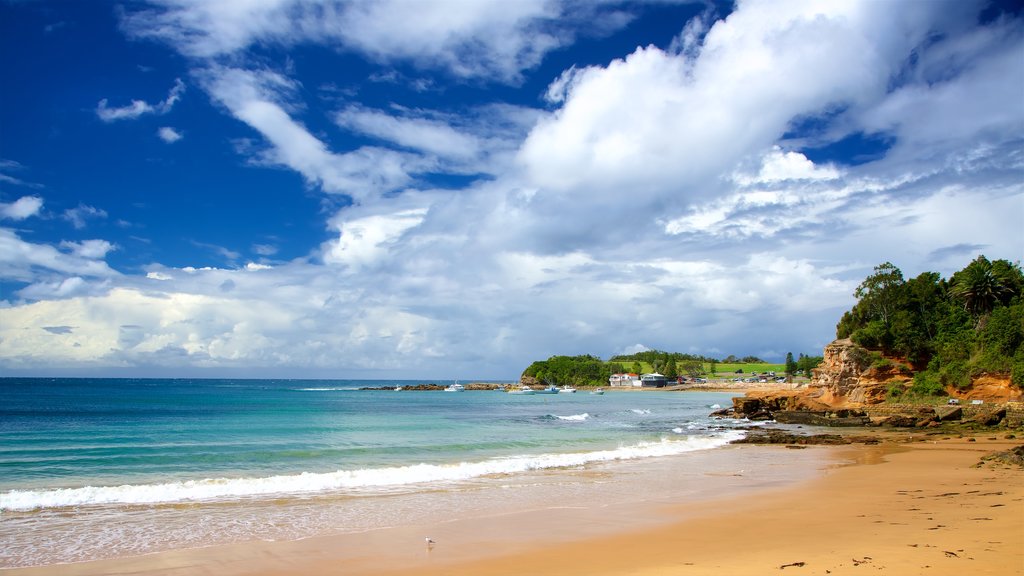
227 489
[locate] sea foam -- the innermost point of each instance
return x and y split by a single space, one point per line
226 489
575 417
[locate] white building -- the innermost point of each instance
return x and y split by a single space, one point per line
624 380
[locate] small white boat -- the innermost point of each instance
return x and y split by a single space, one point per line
597 392
455 388
547 390
567 390
523 390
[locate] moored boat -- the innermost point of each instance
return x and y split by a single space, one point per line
455 388
523 390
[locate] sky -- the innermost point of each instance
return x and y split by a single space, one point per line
456 188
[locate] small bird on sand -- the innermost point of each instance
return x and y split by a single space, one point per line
430 543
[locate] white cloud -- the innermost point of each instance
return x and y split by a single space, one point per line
259 98
28 262
416 133
22 208
778 166
665 125
13 166
365 240
469 39
140 108
88 248
80 215
169 135
265 249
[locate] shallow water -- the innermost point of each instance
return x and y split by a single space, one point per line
96 468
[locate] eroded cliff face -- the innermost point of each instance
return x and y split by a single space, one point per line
845 377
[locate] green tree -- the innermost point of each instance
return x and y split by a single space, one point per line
693 368
713 366
671 371
637 368
880 293
808 363
791 366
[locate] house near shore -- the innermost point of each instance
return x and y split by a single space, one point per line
653 380
630 379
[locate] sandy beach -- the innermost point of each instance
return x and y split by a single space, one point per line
918 507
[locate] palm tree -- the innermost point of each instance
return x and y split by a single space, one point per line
981 285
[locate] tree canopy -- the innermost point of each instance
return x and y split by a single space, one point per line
950 330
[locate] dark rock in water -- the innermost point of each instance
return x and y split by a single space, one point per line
781 437
801 417
899 421
809 418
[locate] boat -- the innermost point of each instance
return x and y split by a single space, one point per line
597 392
524 390
547 390
567 390
455 388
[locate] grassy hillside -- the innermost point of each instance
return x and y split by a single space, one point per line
723 368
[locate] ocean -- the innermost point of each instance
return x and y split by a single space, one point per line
101 468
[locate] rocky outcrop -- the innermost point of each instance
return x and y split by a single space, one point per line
846 376
780 437
531 382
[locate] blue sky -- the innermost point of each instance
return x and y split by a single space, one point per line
453 189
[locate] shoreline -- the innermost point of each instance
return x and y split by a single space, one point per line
896 506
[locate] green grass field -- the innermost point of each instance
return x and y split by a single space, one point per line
724 368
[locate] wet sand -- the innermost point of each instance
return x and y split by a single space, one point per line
894 508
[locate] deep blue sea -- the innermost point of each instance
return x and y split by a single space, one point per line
92 468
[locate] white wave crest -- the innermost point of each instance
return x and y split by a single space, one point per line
218 489
575 417
640 411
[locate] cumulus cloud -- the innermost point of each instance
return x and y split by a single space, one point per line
88 248
27 261
22 208
169 135
139 108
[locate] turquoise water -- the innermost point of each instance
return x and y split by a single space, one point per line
89 467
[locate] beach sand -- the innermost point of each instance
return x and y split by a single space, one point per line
895 508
